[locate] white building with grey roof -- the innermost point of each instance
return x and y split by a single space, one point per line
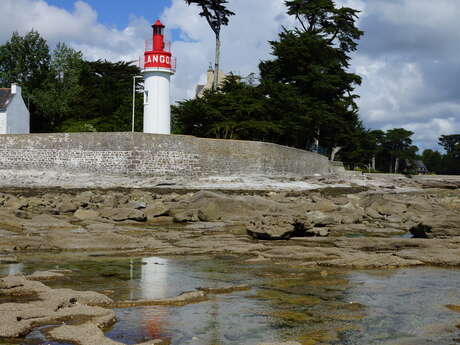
14 115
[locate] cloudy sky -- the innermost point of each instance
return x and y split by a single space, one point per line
409 57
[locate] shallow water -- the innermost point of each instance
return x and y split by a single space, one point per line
404 306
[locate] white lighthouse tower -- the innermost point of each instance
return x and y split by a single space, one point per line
159 65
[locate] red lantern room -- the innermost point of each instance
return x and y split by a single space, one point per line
157 51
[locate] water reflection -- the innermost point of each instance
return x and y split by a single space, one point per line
154 284
224 319
14 269
286 303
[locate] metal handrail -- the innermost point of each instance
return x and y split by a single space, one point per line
149 46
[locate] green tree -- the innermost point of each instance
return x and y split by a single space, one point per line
238 112
433 161
217 15
105 100
314 60
61 90
322 18
397 146
451 160
24 60
363 149
450 143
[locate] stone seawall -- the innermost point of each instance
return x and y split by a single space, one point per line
155 155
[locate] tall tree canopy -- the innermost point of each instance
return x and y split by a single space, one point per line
397 146
24 60
451 160
331 23
66 93
60 91
450 143
217 15
305 93
313 60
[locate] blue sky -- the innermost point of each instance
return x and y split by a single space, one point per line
115 13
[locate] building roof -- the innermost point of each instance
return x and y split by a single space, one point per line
5 98
420 165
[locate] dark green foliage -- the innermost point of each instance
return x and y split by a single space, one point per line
58 94
214 11
451 143
237 112
433 161
24 60
448 163
322 18
106 97
305 92
397 149
310 69
64 92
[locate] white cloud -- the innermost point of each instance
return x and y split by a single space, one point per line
244 41
409 59
427 132
79 28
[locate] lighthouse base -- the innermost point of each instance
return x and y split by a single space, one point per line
157 104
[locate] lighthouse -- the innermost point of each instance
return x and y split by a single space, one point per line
159 65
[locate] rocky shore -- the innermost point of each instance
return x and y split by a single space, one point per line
377 224
355 227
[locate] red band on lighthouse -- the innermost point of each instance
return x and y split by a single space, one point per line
156 56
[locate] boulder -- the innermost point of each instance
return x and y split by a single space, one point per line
324 205
16 203
44 222
157 209
271 228
286 343
48 307
215 206
86 214
120 214
363 260
9 221
136 204
184 216
68 207
319 218
84 198
318 232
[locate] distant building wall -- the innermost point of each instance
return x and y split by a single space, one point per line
2 122
155 155
14 115
18 118
200 89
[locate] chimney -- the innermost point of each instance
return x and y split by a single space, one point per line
15 89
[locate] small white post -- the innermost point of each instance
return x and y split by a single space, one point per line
134 99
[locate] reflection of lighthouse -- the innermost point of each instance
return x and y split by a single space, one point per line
154 285
154 278
159 65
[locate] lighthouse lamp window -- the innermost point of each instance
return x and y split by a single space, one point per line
146 97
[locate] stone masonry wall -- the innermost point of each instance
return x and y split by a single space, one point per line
155 155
